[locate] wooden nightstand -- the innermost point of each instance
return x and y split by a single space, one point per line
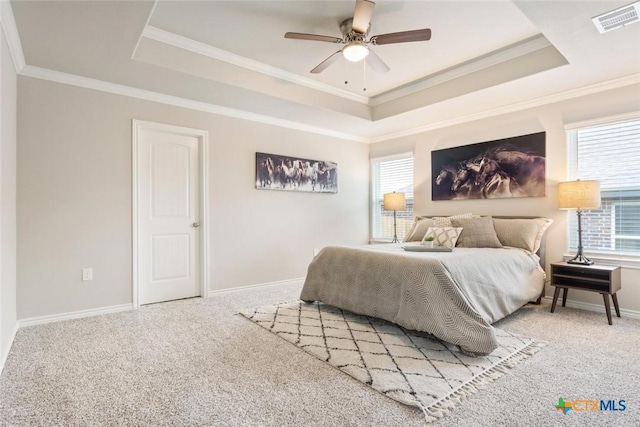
603 279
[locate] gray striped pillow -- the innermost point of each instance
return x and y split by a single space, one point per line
477 233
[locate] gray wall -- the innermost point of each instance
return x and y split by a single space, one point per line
74 192
8 87
550 118
74 198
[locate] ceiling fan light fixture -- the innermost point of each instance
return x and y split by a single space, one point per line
355 52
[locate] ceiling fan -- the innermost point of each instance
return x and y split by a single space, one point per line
354 36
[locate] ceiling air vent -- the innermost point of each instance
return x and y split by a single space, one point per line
618 18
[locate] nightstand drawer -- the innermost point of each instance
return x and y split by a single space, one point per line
573 271
581 283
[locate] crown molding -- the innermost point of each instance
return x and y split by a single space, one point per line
204 49
88 83
499 56
518 106
147 95
10 29
146 24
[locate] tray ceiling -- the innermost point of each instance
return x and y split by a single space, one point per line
232 55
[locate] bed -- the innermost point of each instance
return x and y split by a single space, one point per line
455 295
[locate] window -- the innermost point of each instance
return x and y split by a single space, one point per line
609 153
388 175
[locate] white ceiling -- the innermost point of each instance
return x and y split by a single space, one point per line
231 57
255 30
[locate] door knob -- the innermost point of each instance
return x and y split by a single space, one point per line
196 224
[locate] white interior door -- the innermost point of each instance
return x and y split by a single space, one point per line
168 216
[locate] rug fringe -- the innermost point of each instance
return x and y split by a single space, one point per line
445 405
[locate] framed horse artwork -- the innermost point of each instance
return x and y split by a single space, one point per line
288 173
510 167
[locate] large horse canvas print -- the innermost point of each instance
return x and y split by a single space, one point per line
511 167
277 172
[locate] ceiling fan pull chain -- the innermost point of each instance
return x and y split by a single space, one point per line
364 76
346 72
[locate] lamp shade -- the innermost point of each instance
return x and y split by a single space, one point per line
579 195
394 202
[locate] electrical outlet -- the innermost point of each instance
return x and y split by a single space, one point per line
87 274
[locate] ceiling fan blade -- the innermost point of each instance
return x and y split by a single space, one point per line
314 37
362 16
376 63
402 37
324 64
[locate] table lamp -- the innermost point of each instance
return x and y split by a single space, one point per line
394 202
579 195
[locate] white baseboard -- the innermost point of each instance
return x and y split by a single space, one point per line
31 321
632 314
5 351
297 281
125 307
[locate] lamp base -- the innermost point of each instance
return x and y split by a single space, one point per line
580 259
395 229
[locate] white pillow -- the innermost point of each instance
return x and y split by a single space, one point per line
445 221
444 236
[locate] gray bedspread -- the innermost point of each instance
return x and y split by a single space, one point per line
455 296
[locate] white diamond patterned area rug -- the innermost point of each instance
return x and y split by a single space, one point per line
414 368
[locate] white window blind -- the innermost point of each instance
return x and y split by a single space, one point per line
389 175
609 153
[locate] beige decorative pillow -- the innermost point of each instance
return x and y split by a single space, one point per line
445 221
476 233
444 236
419 229
521 232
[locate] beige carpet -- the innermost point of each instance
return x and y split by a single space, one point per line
196 363
414 368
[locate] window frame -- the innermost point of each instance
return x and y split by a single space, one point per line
614 220
625 259
372 190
